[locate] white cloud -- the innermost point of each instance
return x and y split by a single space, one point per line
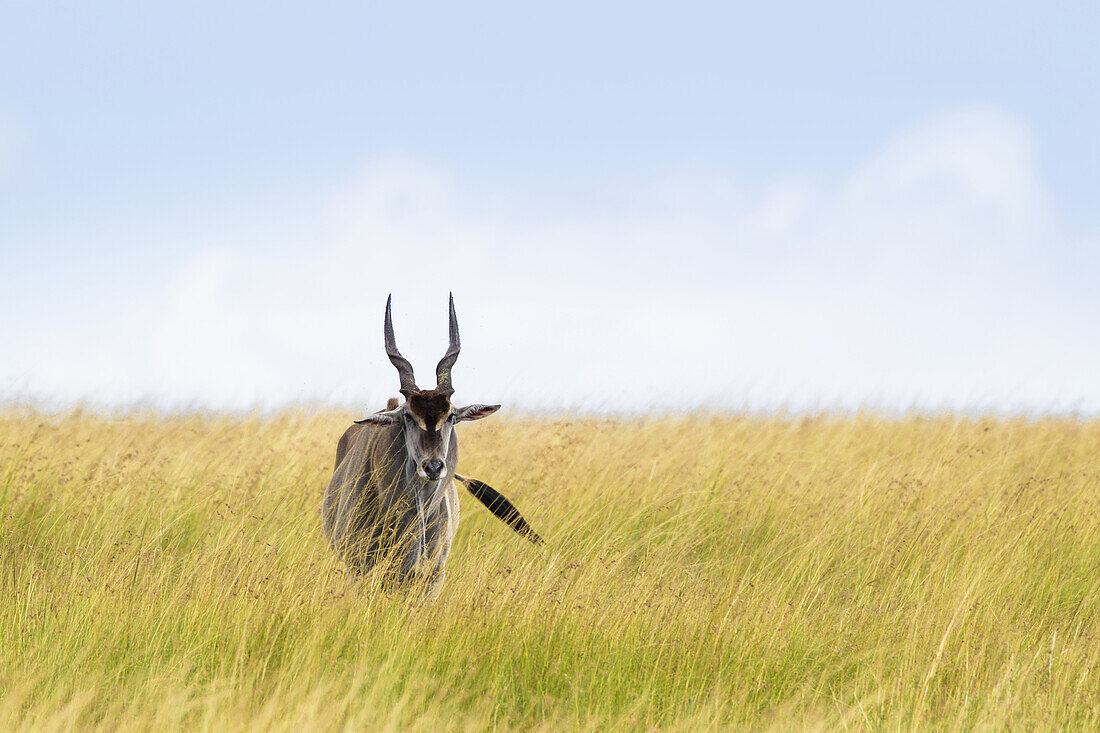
205 346
928 275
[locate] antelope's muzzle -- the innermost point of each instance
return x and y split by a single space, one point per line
433 469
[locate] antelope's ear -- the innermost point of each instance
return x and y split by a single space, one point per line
473 412
380 418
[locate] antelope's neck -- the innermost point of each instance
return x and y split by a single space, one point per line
429 493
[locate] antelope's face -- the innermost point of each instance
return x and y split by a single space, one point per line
427 418
428 433
427 421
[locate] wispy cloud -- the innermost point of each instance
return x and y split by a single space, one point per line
931 274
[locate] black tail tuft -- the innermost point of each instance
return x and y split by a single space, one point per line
501 508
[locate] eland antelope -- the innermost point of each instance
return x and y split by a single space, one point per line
391 502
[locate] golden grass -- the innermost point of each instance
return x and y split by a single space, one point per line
700 572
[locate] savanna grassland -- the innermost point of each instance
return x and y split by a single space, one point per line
699 572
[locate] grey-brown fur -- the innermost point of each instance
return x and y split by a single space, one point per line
378 511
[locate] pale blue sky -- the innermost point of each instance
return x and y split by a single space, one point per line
834 205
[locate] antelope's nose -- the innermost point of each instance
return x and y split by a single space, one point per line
434 468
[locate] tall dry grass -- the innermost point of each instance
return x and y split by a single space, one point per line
703 572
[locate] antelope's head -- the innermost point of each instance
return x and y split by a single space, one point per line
427 417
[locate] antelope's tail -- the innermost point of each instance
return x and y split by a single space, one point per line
501 508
